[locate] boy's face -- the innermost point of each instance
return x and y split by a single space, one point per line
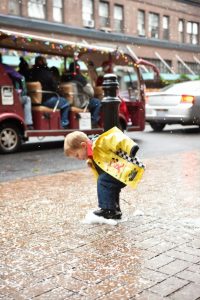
80 153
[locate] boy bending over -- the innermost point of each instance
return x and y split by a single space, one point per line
111 156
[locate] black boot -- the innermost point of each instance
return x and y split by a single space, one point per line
108 213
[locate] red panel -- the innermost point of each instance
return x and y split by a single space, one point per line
16 108
46 120
73 120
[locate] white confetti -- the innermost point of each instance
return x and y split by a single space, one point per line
91 218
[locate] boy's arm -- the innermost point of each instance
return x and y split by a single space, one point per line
134 150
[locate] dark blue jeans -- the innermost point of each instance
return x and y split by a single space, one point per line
64 107
108 191
95 108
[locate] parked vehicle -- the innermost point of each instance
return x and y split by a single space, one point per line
175 104
46 122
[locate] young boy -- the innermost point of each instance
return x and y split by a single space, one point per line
112 158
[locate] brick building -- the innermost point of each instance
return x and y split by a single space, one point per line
166 33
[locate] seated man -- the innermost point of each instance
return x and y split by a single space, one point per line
40 72
19 84
85 97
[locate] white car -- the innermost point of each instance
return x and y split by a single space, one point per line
174 104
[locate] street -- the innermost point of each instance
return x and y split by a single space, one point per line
46 156
48 251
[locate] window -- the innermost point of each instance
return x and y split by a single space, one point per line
104 14
192 65
160 65
14 7
154 25
118 18
181 31
37 9
192 33
141 23
165 27
88 13
57 10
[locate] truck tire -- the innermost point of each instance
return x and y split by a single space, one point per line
10 138
157 127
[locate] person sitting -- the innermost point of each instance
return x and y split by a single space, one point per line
56 74
20 86
24 68
50 98
85 97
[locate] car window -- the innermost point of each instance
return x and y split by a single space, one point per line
126 76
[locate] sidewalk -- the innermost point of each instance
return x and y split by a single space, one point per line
48 253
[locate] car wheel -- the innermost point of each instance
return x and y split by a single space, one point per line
157 127
10 138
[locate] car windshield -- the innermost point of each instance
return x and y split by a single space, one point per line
126 76
183 88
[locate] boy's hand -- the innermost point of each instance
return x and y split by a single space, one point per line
89 163
134 150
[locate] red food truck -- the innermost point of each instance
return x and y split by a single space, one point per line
46 121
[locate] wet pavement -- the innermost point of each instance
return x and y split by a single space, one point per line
48 253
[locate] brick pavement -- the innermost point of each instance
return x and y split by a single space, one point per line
47 253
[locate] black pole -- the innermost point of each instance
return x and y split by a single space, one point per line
110 102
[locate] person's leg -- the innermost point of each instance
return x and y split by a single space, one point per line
108 190
95 108
64 107
64 110
26 101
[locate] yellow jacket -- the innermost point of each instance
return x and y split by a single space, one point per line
111 152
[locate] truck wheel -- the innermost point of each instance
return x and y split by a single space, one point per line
157 127
10 138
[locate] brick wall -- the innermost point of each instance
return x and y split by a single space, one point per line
72 16
72 13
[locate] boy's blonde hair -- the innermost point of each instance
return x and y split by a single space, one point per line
73 141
